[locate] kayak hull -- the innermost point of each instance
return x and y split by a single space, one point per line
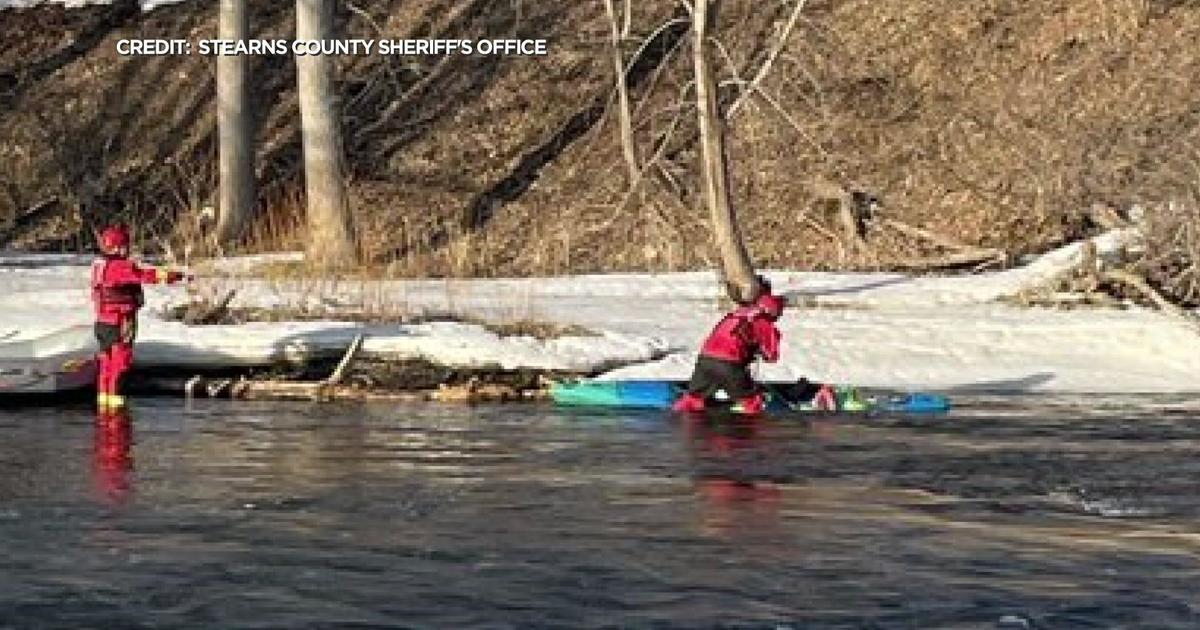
59 362
661 394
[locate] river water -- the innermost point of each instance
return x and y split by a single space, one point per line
1006 513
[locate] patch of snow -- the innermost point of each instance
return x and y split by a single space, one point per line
976 348
883 330
449 343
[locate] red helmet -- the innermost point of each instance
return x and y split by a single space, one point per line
771 304
114 238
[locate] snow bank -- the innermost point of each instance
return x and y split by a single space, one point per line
47 294
885 330
979 348
447 343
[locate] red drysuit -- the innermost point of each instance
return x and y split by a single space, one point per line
741 335
735 341
117 295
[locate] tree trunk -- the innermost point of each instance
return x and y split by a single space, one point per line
330 235
234 129
736 267
624 116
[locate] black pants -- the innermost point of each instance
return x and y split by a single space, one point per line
109 335
713 374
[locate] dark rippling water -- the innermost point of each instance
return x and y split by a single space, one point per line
1009 513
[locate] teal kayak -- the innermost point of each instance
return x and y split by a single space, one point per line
781 397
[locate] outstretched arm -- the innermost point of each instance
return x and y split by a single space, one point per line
132 273
165 276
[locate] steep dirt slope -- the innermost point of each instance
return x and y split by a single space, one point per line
992 122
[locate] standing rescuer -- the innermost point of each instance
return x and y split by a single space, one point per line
737 340
117 295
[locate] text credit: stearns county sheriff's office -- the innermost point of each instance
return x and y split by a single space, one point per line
331 47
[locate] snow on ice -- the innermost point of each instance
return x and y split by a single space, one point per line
875 329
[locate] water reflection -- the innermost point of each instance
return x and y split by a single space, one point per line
112 456
268 515
735 473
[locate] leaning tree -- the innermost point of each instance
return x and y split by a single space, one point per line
736 267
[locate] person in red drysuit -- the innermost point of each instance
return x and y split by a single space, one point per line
117 295
724 363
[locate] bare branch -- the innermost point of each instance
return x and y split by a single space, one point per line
923 234
765 69
949 261
339 373
624 116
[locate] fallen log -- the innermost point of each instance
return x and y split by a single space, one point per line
913 231
476 392
961 255
278 390
1139 284
312 392
950 261
302 390
332 388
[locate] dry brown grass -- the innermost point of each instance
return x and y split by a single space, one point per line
520 327
1172 263
279 226
991 122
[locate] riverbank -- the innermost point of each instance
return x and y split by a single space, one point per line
514 166
944 333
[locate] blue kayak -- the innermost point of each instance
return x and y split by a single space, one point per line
781 397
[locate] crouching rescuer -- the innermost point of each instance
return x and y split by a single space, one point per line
117 295
724 363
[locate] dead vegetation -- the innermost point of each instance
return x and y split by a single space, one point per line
1171 261
364 379
212 309
985 128
1161 271
1120 280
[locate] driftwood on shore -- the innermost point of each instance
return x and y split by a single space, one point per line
953 260
475 389
1098 282
321 391
959 254
284 390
